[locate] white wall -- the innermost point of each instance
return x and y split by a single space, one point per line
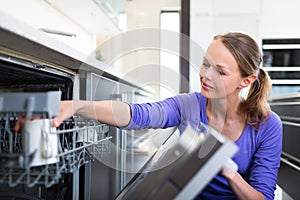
280 19
258 18
145 14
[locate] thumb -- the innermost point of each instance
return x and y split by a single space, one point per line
56 122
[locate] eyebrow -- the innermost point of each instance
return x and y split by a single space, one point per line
218 66
221 66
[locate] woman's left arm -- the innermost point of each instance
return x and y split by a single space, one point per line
263 171
240 187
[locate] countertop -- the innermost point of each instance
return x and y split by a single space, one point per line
23 39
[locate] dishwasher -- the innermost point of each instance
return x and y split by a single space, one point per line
183 169
42 162
39 161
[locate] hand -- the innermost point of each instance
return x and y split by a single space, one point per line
66 111
227 173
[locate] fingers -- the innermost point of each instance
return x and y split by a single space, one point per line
18 125
21 121
66 111
56 122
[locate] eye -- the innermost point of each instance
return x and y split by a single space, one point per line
205 64
220 72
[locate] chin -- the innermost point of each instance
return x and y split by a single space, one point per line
206 94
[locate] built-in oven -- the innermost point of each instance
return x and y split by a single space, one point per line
281 58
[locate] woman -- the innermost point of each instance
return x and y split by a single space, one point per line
230 67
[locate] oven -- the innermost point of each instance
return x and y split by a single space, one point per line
281 58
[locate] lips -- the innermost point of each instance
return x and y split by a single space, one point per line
206 86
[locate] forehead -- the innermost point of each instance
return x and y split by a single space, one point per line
219 54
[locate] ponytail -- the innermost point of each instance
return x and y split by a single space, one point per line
256 105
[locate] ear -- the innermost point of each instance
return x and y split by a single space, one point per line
248 81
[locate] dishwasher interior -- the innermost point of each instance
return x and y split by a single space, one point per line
50 168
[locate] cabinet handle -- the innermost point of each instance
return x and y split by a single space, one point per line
284 103
290 164
291 123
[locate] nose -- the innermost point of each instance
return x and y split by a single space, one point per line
208 73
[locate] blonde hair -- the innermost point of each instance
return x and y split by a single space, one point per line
248 56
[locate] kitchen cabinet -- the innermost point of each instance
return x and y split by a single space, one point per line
287 107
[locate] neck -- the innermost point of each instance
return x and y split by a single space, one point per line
223 111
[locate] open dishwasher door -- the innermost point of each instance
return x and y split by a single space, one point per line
182 171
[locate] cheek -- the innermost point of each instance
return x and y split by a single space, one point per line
229 86
221 87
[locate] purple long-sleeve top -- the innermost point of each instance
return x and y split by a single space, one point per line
258 158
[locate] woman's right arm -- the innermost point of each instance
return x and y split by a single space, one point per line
114 113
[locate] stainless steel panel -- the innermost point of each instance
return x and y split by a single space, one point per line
288 179
291 138
287 106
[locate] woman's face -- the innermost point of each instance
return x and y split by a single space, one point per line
219 74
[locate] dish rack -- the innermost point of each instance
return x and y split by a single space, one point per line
78 140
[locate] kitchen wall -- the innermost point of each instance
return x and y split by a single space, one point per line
259 18
144 62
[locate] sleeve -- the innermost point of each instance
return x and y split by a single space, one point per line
170 112
264 171
160 114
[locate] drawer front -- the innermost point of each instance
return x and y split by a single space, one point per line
287 109
291 139
288 179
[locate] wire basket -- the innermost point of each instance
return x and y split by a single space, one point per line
77 140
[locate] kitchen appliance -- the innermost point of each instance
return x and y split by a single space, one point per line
281 58
184 169
288 107
42 162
